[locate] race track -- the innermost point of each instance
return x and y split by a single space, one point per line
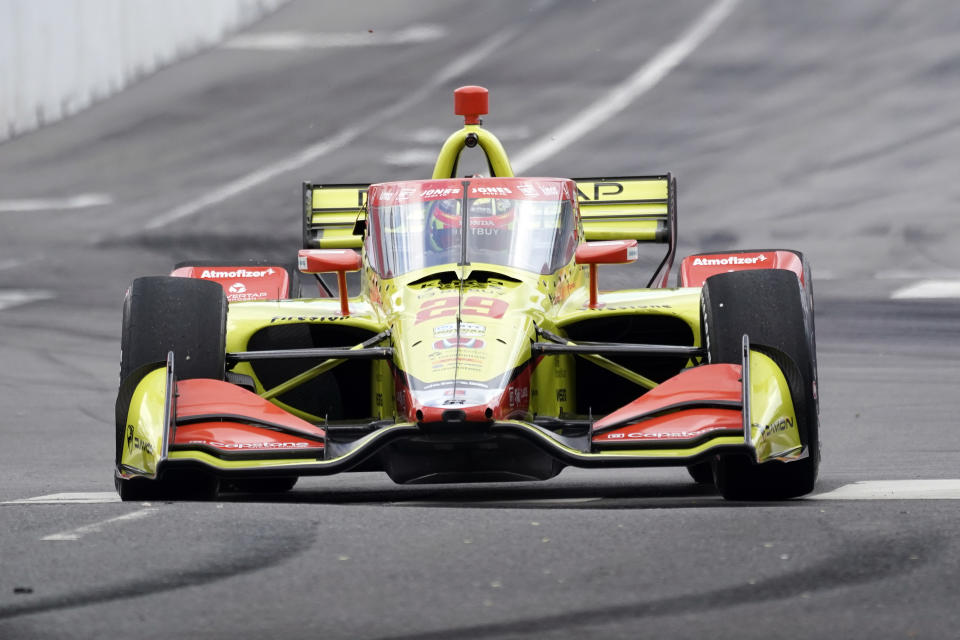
828 127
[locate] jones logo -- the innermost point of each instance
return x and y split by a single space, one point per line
716 262
238 273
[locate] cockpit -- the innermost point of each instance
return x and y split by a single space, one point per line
528 224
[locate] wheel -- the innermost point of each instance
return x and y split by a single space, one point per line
702 472
183 315
776 313
162 314
174 485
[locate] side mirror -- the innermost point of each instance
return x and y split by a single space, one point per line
605 252
329 261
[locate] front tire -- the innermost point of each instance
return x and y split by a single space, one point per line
776 313
163 314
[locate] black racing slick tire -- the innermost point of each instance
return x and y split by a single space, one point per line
163 314
702 472
775 312
183 315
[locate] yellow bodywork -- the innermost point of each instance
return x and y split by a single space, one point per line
145 425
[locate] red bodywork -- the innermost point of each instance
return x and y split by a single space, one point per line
696 402
694 270
224 416
243 283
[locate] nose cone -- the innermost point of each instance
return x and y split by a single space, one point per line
467 371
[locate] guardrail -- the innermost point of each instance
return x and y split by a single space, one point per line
57 58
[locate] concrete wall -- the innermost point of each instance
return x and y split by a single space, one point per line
60 56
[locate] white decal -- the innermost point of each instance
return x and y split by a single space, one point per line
238 287
716 262
238 273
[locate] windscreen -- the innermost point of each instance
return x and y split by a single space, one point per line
503 227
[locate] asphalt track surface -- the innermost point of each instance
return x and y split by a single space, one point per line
823 126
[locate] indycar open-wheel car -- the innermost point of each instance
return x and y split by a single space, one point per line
478 347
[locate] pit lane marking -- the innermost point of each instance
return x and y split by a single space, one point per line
928 289
79 201
300 40
620 97
96 527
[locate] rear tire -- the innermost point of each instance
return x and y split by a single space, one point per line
188 317
776 313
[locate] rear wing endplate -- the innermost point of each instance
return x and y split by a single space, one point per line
330 213
643 208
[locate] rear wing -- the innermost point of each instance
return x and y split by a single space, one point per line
643 208
330 213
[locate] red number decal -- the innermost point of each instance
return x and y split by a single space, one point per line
487 307
437 308
472 306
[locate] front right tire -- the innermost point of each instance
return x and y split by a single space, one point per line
772 308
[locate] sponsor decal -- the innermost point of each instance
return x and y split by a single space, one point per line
136 443
472 329
237 287
625 307
253 445
727 261
641 435
444 192
466 343
770 430
237 273
306 318
518 397
490 191
561 395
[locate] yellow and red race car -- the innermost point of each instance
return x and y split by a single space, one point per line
479 347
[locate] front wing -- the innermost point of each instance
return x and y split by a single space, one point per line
703 411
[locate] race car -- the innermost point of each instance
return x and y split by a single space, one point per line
479 347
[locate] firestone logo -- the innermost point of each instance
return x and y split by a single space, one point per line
238 273
716 262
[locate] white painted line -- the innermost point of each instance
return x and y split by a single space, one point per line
618 99
79 532
946 489
928 289
95 497
81 201
918 274
16 297
10 264
411 158
346 136
300 40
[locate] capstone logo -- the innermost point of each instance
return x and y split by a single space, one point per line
729 260
238 273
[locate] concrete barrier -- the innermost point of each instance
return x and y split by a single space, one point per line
60 56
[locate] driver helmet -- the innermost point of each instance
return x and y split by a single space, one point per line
443 225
